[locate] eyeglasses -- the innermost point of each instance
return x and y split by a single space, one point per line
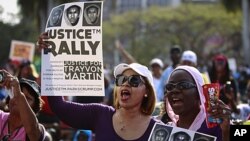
6 137
180 86
133 80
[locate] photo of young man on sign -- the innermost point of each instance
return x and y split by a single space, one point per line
72 63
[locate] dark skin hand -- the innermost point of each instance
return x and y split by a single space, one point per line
221 110
230 95
40 42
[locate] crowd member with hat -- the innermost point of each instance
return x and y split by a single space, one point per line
186 106
27 70
24 101
130 119
175 56
156 66
220 73
189 58
243 110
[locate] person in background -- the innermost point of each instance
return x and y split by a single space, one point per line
156 65
243 110
128 58
20 123
220 73
242 78
109 89
186 106
11 66
175 55
189 58
27 70
50 121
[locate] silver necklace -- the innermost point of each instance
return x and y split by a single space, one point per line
121 122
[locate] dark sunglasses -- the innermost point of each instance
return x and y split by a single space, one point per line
180 86
133 80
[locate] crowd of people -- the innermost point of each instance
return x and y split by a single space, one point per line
136 97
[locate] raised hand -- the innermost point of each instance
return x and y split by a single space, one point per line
41 41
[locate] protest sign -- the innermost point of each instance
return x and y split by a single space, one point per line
72 65
20 50
163 132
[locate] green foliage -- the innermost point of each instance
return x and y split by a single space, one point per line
23 32
232 5
152 32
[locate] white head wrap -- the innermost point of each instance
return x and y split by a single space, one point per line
201 116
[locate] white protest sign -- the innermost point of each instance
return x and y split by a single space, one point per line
73 63
20 50
162 132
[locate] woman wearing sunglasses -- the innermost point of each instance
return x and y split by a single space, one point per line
134 102
186 105
20 123
130 119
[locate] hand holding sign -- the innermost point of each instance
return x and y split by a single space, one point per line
72 63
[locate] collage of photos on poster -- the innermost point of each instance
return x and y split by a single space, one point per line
163 132
70 14
72 65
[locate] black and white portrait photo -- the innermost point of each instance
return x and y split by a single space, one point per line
56 17
71 46
180 136
161 133
73 14
92 13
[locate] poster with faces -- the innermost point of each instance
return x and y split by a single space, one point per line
72 65
162 132
76 14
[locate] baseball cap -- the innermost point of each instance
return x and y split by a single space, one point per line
220 57
189 55
32 84
156 61
140 69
